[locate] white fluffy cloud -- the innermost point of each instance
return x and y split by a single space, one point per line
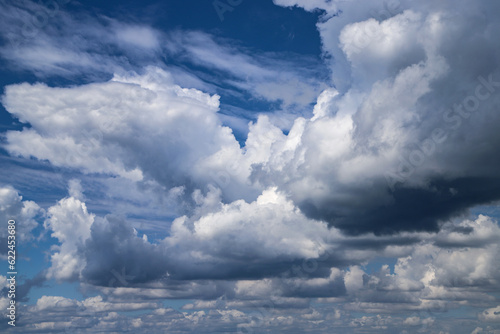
409 115
247 235
388 139
69 222
96 124
24 213
217 241
491 315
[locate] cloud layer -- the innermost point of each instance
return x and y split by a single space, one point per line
356 217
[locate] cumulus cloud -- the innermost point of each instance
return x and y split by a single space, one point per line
103 145
386 164
380 154
490 315
24 213
410 113
287 255
269 232
303 163
136 274
69 222
218 241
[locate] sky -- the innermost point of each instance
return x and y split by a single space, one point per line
264 166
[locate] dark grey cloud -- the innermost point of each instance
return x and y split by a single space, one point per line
411 209
115 256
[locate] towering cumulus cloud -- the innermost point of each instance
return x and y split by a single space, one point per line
418 104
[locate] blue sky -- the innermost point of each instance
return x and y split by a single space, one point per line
251 166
